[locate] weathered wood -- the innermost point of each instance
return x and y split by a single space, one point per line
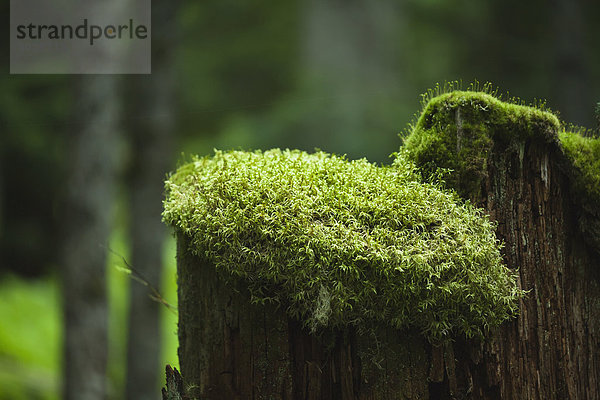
228 348
231 349
174 389
551 350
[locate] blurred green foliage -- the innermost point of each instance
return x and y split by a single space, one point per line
31 329
30 335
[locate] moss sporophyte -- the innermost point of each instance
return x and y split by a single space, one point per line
338 242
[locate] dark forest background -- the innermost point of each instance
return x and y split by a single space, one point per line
83 158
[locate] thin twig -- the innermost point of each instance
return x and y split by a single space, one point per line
139 277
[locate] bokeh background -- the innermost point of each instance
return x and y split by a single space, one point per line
83 158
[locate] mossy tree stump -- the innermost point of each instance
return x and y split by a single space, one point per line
310 277
544 194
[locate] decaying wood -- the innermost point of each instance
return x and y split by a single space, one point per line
230 349
175 389
551 350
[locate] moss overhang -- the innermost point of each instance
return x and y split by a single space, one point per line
456 131
338 242
583 153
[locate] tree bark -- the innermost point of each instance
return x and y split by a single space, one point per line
551 350
151 129
174 389
87 223
231 349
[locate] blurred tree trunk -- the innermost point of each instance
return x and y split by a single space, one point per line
87 225
572 78
150 124
349 54
1 204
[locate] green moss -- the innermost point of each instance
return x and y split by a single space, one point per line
584 154
339 242
457 130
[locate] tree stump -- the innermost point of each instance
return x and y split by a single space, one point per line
506 159
519 174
